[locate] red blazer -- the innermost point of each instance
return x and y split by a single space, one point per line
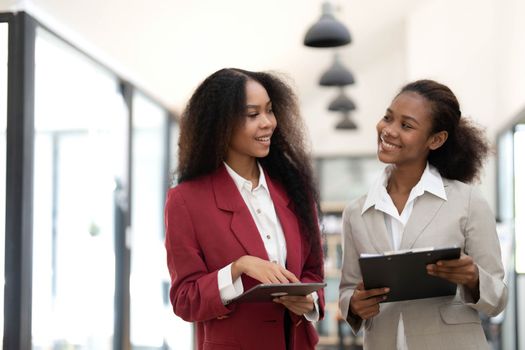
208 226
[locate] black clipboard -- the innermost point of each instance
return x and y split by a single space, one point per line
406 274
267 292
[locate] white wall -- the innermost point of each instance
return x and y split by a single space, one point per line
476 48
454 42
510 60
7 5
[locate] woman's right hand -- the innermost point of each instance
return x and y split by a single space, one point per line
365 303
263 271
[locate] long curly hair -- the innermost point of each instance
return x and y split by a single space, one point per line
462 155
214 110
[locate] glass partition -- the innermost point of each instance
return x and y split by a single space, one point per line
3 124
80 139
152 322
148 265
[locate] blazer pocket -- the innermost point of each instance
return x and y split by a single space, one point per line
458 313
311 333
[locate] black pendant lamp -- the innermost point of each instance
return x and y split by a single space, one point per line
342 103
328 31
337 75
346 123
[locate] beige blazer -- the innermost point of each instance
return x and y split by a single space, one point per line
464 220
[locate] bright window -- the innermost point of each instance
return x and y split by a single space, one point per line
153 324
80 129
148 267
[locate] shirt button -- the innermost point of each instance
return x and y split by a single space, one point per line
268 236
258 211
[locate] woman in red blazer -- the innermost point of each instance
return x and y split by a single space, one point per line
244 212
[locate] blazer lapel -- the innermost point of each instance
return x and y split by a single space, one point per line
425 209
376 229
289 224
242 225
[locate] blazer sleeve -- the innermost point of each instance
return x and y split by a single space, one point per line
194 291
350 272
313 269
482 244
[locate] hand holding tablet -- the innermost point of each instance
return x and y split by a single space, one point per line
267 292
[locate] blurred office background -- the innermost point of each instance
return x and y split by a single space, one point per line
90 93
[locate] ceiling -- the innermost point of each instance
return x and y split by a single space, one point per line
169 46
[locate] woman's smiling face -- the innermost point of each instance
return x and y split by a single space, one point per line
404 133
252 137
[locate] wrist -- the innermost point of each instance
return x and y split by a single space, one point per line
237 268
473 286
351 310
352 314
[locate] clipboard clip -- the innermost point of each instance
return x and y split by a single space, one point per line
408 251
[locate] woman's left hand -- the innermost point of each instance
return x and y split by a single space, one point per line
460 271
299 305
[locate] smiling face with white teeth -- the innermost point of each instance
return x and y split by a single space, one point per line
404 133
251 138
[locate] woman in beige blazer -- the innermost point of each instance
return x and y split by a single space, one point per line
424 199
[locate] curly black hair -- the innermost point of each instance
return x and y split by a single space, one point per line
217 106
462 155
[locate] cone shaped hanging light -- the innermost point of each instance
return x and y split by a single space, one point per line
342 103
337 75
346 123
328 31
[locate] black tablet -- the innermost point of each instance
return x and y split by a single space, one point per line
267 292
406 274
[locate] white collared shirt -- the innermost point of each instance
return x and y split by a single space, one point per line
261 207
378 197
260 204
